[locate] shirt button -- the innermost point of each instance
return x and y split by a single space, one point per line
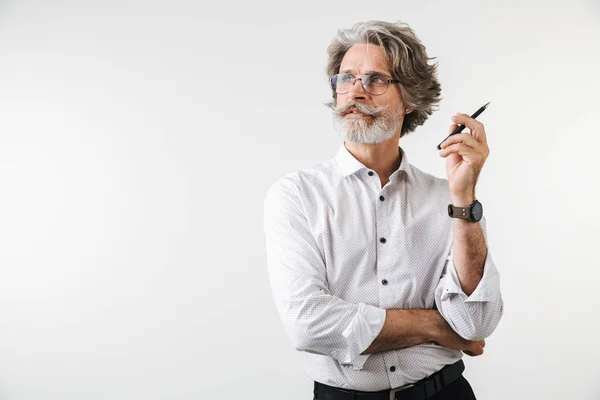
384 281
381 198
392 368
382 240
370 173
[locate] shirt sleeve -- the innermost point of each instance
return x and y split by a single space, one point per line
473 317
314 319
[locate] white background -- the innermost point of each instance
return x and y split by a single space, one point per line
137 142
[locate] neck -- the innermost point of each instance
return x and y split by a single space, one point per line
383 158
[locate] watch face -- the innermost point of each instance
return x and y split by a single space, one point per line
477 211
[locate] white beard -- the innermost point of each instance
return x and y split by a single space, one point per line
368 130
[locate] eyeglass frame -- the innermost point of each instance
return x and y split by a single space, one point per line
388 81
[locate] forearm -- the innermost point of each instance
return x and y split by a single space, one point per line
473 312
468 248
406 328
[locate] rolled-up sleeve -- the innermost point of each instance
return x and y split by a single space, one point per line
473 317
315 321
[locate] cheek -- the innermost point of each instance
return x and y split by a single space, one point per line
392 97
389 99
342 98
388 104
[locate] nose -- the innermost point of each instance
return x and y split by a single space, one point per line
358 92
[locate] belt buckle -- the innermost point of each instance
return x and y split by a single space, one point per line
401 388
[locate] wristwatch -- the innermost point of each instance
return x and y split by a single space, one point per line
473 212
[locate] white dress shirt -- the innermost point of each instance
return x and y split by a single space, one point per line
341 250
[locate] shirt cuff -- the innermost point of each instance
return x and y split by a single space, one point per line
488 288
359 334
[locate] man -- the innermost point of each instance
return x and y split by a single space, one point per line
378 287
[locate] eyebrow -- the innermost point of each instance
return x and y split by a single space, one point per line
349 71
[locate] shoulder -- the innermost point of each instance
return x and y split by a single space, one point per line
299 189
304 181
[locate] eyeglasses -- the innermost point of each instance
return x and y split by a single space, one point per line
375 85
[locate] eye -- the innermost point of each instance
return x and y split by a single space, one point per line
378 79
344 78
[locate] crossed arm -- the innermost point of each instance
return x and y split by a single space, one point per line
405 328
319 322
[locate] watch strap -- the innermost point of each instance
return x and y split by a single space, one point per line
459 212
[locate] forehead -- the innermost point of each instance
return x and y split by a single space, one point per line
363 58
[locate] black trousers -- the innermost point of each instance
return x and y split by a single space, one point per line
460 389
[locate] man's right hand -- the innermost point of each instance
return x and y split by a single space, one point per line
446 337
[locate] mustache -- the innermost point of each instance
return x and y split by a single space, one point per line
341 110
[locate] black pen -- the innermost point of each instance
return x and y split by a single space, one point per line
461 127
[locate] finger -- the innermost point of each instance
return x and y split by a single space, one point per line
465 138
474 352
458 148
477 129
475 346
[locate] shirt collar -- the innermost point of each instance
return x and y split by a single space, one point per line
349 165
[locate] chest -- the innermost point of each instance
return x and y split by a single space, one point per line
384 248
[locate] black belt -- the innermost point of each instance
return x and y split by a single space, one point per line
421 390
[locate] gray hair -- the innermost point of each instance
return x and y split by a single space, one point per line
407 60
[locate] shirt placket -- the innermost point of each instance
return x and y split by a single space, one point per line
385 204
